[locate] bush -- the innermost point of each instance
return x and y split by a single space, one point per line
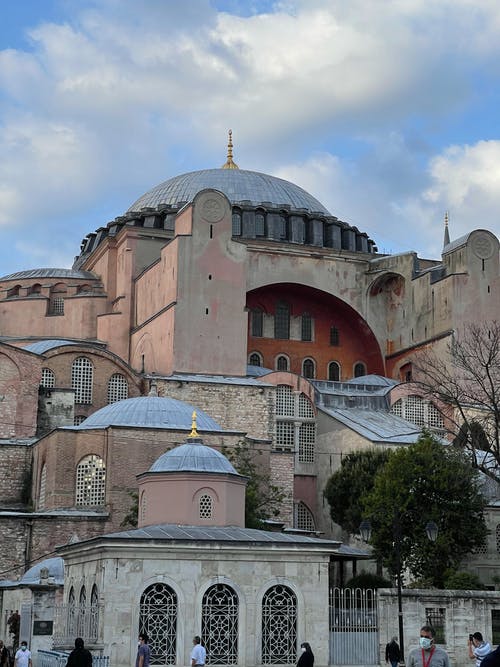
462 581
368 580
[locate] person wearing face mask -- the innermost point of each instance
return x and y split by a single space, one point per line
306 656
23 656
428 654
143 651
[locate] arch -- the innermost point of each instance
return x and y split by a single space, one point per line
421 412
35 289
71 613
359 369
94 614
117 388
219 624
13 291
255 359
86 288
334 371
279 626
309 368
158 613
304 518
82 378
48 378
282 363
56 299
42 487
90 482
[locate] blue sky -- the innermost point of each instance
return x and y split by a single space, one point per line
386 112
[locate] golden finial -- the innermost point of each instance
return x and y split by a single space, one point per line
229 162
194 432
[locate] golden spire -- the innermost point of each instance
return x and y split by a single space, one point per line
229 162
194 432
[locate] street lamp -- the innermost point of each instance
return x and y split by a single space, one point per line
431 530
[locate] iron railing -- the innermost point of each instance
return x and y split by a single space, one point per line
75 620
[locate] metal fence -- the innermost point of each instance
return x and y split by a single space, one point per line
60 658
77 620
354 637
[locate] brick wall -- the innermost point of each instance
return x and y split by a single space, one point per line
20 374
15 463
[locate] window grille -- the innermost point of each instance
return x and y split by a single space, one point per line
282 321
334 371
283 227
419 411
285 401
334 336
205 506
72 613
43 484
306 328
279 626
308 368
82 375
78 419
497 537
436 617
257 322
307 439
359 370
57 305
285 436
236 226
94 613
305 407
158 619
90 482
260 226
304 519
255 359
48 378
117 388
495 626
219 625
281 363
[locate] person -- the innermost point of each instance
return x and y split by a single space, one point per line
492 659
198 654
79 656
4 655
478 648
143 651
392 652
23 656
428 654
306 658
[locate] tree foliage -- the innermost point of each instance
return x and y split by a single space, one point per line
263 500
347 486
427 481
467 380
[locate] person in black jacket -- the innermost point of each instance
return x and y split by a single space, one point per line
79 656
306 657
392 652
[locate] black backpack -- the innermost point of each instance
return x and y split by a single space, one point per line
492 659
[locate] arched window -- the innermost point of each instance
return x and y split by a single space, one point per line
295 424
260 224
282 321
48 378
359 369
81 624
94 615
236 227
13 291
117 388
90 482
282 363
219 624
42 487
334 371
279 626
306 327
308 370
334 336
304 519
257 322
255 359
421 412
206 506
35 289
158 619
82 376
56 302
71 613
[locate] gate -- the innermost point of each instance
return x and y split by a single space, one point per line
353 627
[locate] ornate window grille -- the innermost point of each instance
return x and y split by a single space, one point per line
308 369
279 626
334 371
219 625
90 482
255 359
206 506
436 617
43 484
295 424
117 388
282 321
359 369
48 378
304 519
158 618
82 376
282 363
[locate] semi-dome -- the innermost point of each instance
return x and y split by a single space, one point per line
193 457
54 568
149 412
239 185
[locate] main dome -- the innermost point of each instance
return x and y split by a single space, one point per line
239 185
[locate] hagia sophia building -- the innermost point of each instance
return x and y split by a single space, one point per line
237 295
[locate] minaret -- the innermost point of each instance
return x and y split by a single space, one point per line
229 164
446 231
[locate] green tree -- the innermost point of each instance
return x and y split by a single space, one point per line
427 481
347 487
263 499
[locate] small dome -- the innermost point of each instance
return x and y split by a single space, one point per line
238 185
55 567
149 412
193 457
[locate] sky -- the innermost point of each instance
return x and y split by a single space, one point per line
387 111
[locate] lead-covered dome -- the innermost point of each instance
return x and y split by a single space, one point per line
149 412
239 185
193 457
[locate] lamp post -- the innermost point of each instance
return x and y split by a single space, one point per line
431 529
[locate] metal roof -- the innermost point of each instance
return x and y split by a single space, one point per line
213 379
376 425
238 185
42 346
193 456
149 412
50 273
